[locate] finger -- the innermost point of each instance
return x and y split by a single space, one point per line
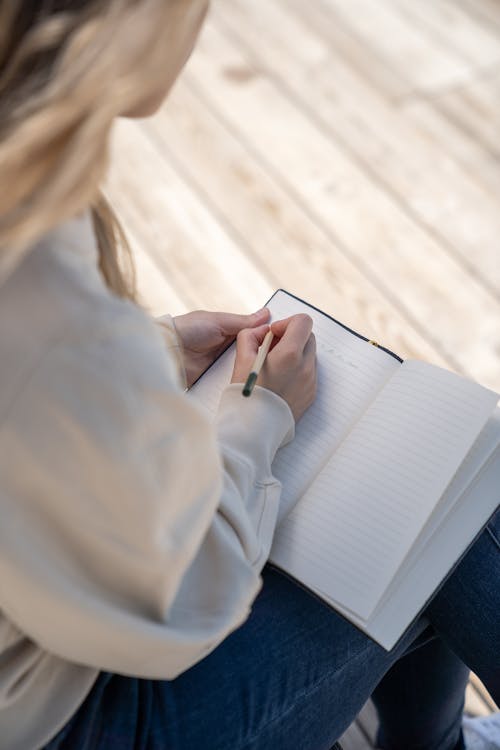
279 326
231 324
310 347
249 340
309 355
294 330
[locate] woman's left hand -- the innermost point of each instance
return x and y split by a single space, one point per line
204 335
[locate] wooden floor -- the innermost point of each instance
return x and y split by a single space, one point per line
347 150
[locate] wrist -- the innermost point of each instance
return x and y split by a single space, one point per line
258 425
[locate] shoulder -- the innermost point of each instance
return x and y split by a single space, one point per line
101 400
57 316
57 290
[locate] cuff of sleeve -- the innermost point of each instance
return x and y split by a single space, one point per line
256 426
174 346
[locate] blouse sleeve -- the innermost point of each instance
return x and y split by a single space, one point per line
133 530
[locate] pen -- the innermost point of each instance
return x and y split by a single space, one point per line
257 365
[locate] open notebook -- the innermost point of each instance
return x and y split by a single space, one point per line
393 472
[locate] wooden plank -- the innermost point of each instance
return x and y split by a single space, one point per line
463 147
430 186
474 705
355 739
409 266
204 265
425 64
486 11
453 28
368 721
483 693
156 294
280 235
317 21
476 109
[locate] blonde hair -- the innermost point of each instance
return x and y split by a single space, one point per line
66 71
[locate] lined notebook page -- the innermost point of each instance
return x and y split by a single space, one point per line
468 474
350 373
470 512
350 532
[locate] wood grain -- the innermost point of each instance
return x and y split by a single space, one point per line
391 36
276 232
433 289
447 199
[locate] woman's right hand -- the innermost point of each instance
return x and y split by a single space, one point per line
290 366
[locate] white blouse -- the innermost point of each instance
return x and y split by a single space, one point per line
133 531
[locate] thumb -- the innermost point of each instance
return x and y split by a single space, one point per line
231 324
279 326
297 328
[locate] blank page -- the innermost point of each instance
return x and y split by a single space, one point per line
350 373
473 506
487 444
475 487
350 532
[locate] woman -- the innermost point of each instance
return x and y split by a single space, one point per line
134 533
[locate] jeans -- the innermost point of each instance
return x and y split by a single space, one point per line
296 674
